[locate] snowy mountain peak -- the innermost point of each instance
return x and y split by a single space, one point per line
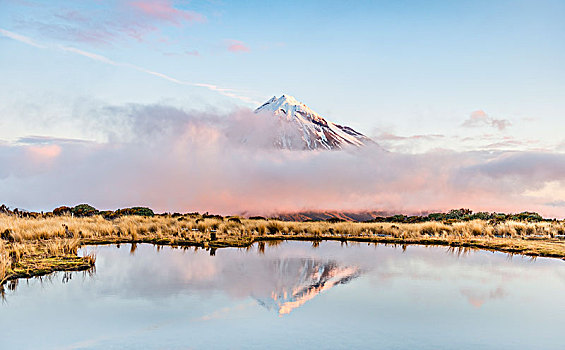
285 102
289 100
302 128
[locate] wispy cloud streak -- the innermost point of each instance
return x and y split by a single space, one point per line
102 59
90 55
20 38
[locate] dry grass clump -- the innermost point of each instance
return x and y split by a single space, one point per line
64 246
524 229
5 264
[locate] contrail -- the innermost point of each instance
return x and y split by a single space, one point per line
21 38
99 58
90 55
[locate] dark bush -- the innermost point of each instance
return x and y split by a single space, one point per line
458 214
234 219
436 217
4 209
7 236
482 216
212 216
398 218
335 220
414 219
62 211
84 210
527 216
140 211
109 215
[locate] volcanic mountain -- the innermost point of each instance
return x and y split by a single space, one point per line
302 128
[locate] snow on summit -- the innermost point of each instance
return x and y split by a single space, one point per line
302 128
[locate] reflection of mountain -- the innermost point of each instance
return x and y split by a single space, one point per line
300 280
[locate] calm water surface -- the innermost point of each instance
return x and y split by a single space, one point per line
291 295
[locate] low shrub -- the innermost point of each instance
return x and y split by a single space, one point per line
83 210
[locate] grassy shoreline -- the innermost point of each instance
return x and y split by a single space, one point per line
38 246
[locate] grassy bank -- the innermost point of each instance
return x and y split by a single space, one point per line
39 245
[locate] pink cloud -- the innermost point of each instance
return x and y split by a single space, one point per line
481 118
164 10
192 53
94 30
44 151
111 22
237 46
74 16
188 53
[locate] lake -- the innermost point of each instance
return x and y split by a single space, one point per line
291 295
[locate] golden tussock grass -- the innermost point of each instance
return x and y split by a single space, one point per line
26 239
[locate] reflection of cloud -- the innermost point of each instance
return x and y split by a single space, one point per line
170 306
290 274
224 312
478 298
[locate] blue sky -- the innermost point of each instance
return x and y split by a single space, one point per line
419 77
394 67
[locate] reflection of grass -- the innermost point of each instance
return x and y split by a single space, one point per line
31 246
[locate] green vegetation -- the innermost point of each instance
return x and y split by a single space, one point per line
463 215
83 210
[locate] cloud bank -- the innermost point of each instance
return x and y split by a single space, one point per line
176 160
